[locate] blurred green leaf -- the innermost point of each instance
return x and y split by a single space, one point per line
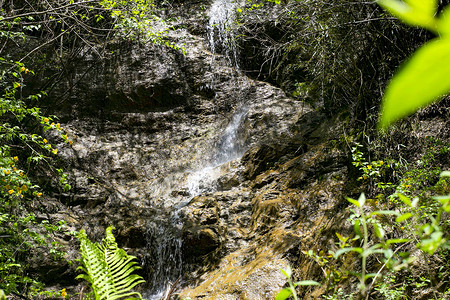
284 294
306 282
403 217
413 12
404 199
444 22
345 250
422 80
287 272
357 228
353 201
445 174
396 241
379 231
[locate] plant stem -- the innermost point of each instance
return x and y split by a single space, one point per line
364 256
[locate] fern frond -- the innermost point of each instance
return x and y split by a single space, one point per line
108 268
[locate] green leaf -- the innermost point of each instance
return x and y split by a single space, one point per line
384 212
341 238
396 241
353 201
403 217
433 243
445 174
287 272
362 200
345 250
283 294
357 228
427 7
371 251
422 80
306 282
108 268
445 201
379 231
413 12
370 275
404 199
444 22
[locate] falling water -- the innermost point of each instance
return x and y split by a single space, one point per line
221 38
164 232
228 148
164 254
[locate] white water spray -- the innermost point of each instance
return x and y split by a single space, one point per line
221 37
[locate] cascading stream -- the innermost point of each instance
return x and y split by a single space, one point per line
164 254
228 148
164 234
221 38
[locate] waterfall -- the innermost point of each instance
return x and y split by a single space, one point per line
164 242
228 148
164 254
221 38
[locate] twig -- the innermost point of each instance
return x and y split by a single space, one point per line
172 288
45 11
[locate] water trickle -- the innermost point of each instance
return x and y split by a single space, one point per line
165 256
221 38
230 145
228 148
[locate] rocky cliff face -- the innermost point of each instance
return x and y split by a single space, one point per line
207 175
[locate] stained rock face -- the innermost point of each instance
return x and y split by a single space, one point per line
289 192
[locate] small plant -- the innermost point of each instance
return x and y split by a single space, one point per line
361 221
287 292
389 289
372 170
108 268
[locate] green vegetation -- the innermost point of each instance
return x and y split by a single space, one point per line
286 292
416 221
33 35
23 150
404 224
108 268
424 78
335 54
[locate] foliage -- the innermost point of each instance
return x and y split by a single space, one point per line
108 268
137 20
33 34
373 171
335 54
387 236
415 220
424 78
286 292
69 26
23 150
